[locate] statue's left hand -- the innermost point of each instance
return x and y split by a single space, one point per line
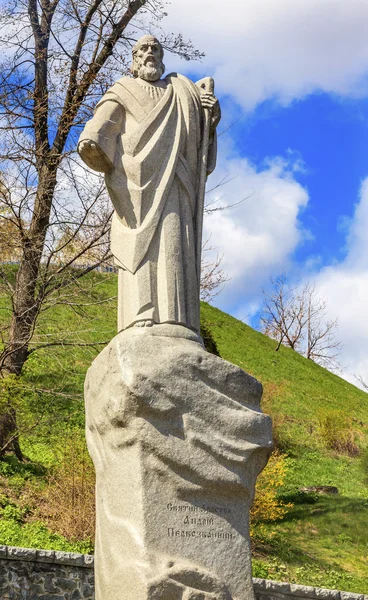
210 101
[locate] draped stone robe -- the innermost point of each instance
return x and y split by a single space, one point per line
151 136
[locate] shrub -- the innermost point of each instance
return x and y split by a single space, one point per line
296 496
14 513
260 569
337 432
267 506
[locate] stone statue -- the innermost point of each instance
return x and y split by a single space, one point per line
176 434
147 137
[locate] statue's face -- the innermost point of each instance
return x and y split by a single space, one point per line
147 62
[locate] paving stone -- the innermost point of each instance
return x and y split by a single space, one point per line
277 586
24 554
330 594
305 591
351 596
47 556
259 583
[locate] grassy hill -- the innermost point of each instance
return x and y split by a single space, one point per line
321 431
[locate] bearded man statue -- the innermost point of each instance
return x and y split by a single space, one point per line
146 137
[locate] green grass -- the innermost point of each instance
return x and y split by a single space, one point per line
37 535
322 542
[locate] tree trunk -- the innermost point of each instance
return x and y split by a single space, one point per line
26 302
9 438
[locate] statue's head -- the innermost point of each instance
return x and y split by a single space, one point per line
147 59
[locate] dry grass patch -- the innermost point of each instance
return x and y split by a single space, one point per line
68 502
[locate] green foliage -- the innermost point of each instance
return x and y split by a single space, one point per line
260 569
12 468
12 512
16 393
267 505
37 535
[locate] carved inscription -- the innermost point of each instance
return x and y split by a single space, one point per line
199 522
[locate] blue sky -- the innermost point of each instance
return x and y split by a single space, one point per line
292 79
330 136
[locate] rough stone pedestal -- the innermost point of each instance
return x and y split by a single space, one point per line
177 438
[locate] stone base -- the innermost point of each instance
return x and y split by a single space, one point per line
177 438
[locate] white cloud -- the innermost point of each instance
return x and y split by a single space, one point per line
257 237
260 49
357 239
345 287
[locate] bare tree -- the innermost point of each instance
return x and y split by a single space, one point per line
297 317
362 381
213 277
58 56
282 315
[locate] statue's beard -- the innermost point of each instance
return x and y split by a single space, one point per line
150 72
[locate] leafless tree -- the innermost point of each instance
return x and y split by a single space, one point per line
57 58
297 317
213 277
362 382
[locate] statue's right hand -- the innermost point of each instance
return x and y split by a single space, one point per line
87 145
94 156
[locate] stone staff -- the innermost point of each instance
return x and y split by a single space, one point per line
208 85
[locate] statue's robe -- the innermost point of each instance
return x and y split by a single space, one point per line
152 138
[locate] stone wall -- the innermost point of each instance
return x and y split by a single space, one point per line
28 574
276 590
